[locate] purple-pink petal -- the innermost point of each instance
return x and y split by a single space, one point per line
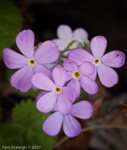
14 60
71 126
69 76
53 123
87 68
64 32
80 55
69 93
107 75
61 44
40 95
70 66
50 66
47 53
76 87
98 46
46 103
25 43
55 108
94 75
41 81
42 69
21 79
80 33
65 54
114 59
59 75
89 85
82 110
64 104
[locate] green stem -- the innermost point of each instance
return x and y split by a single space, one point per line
64 56
67 48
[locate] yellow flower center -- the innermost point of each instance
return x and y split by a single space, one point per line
76 75
31 62
96 61
57 90
71 46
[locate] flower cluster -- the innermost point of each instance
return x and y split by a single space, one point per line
62 85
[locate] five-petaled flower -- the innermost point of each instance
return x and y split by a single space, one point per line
59 94
79 77
66 36
103 63
31 62
71 127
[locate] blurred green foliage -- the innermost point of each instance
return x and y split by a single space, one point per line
9 73
26 127
31 93
81 97
10 24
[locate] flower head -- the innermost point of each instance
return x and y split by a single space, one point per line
58 93
66 36
71 127
103 63
79 77
31 61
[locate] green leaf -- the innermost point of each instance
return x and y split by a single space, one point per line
26 128
10 24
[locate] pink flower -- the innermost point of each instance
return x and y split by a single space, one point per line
103 63
32 61
71 127
79 77
58 93
66 35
